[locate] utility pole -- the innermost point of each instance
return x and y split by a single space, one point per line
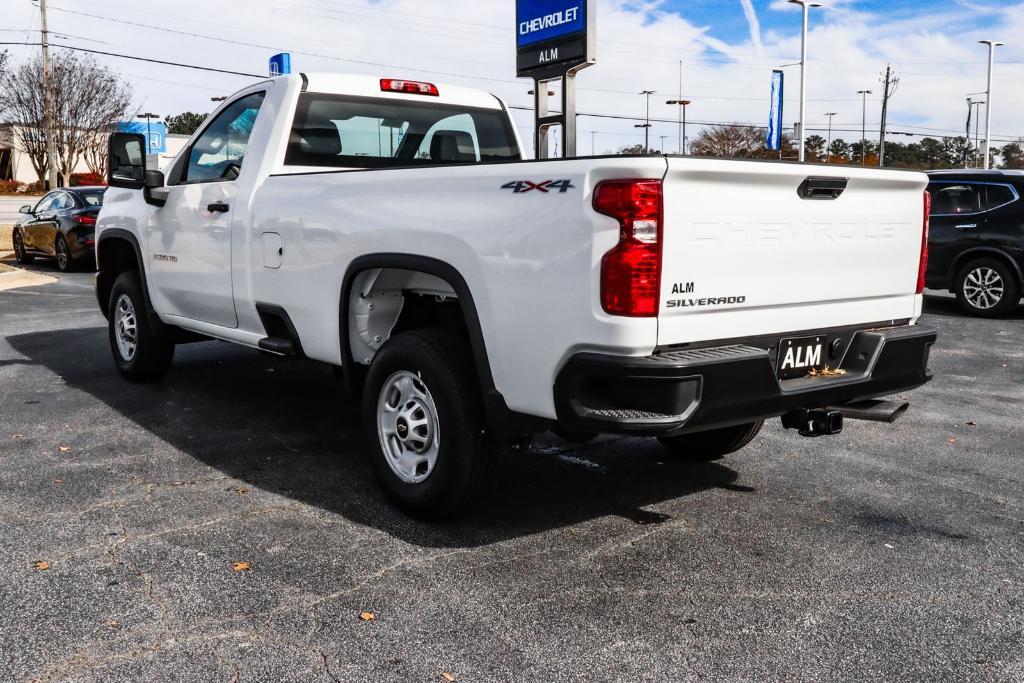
593 143
646 125
51 142
864 129
890 84
806 5
828 147
992 45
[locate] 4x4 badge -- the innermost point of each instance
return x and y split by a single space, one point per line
523 186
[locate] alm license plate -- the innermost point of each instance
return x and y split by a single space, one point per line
799 355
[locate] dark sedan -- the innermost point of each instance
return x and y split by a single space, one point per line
60 226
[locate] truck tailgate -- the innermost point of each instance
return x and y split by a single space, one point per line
745 254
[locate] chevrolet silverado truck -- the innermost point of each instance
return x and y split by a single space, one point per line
472 298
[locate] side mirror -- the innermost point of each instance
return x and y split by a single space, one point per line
25 209
126 161
155 190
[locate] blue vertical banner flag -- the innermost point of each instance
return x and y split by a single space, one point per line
775 117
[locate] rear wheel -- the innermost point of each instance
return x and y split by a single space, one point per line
987 288
64 261
20 255
140 354
714 444
424 424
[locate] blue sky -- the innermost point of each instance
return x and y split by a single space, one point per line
932 45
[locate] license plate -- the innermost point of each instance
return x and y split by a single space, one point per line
799 355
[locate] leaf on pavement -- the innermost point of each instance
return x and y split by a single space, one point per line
58 482
952 439
240 566
448 677
367 616
17 436
972 423
41 565
241 491
64 449
111 623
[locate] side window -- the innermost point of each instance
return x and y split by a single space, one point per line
219 152
1000 195
957 198
64 201
45 204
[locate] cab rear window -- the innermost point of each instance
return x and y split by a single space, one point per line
343 132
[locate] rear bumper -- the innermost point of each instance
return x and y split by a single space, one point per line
699 389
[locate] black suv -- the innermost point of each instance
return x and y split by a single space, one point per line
976 243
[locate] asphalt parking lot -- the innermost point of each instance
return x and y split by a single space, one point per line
890 552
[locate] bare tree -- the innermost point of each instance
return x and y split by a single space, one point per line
88 101
735 141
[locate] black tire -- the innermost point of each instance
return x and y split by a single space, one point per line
714 444
438 362
975 296
62 252
153 353
20 255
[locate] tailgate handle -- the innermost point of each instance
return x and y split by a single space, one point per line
822 188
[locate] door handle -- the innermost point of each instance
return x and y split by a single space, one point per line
218 207
966 226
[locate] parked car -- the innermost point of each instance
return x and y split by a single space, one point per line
61 226
977 238
471 297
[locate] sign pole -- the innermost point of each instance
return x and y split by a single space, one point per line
555 39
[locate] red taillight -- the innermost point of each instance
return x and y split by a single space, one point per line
86 220
631 272
923 267
409 87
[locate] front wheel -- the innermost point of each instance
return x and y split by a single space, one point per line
714 444
20 255
64 261
141 355
987 288
424 424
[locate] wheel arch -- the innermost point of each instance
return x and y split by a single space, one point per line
117 251
500 419
982 252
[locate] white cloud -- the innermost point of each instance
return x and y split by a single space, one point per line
469 42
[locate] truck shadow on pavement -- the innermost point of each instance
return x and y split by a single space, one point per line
288 427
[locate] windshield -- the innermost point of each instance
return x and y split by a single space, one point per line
344 132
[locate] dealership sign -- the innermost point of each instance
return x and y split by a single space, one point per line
554 36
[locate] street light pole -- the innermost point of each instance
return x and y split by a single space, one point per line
51 142
806 5
593 143
864 129
828 146
992 45
682 104
149 132
646 125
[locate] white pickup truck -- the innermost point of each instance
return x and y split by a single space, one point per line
393 229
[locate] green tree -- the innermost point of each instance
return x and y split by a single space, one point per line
839 150
815 145
637 151
1013 154
185 123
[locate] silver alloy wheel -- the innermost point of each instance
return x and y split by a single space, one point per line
126 330
407 427
983 288
63 257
